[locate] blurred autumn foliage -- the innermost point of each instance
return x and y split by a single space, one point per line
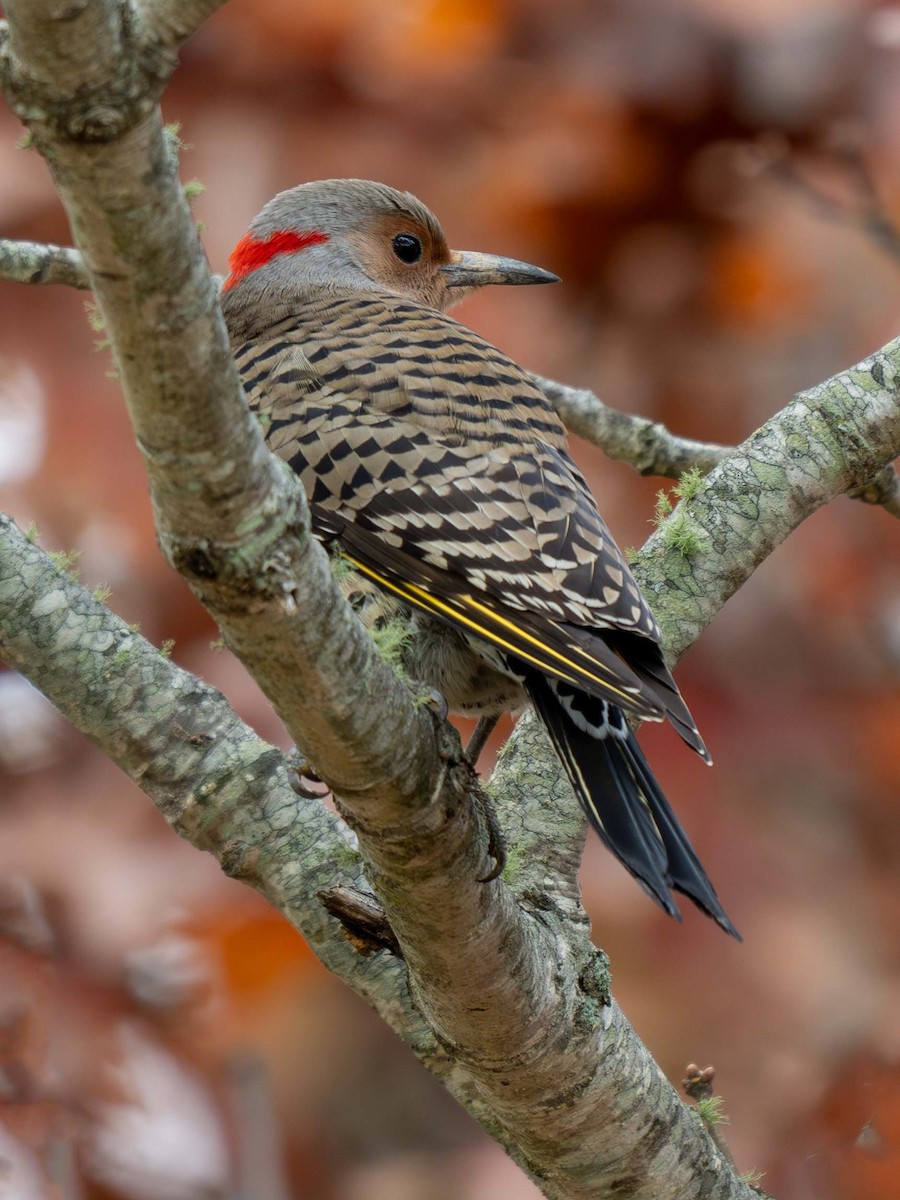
717 183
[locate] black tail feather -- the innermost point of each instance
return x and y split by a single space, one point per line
645 659
627 808
685 871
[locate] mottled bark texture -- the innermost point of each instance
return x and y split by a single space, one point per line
31 262
827 441
218 784
500 992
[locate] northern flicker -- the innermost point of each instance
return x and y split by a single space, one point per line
441 472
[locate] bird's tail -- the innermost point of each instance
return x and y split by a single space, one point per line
624 803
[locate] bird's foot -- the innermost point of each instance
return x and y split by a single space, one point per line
496 836
436 703
302 777
431 698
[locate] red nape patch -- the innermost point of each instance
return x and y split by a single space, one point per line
252 253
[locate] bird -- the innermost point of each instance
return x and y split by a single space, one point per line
440 474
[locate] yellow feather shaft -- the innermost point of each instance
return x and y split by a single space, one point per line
425 600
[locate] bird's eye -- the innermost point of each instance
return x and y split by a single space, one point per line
407 248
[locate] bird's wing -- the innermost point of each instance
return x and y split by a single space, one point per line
443 472
510 549
588 664
520 527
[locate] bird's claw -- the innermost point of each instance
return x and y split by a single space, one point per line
432 699
301 774
496 837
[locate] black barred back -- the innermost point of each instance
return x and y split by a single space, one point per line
392 356
402 420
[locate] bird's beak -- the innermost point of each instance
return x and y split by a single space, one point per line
469 269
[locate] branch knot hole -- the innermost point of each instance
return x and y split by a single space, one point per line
199 563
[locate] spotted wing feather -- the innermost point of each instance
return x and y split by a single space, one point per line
441 462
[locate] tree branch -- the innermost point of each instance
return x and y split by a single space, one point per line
32 262
883 489
213 779
226 791
169 23
652 449
644 444
828 440
212 473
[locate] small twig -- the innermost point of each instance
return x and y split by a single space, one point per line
884 489
654 450
31 262
698 1086
479 739
775 155
168 23
646 445
364 924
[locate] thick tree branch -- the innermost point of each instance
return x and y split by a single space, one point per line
568 1100
214 780
234 520
211 475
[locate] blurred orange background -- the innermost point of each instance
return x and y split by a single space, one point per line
699 173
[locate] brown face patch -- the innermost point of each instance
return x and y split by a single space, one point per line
382 256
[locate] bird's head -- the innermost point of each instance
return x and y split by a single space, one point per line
352 233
